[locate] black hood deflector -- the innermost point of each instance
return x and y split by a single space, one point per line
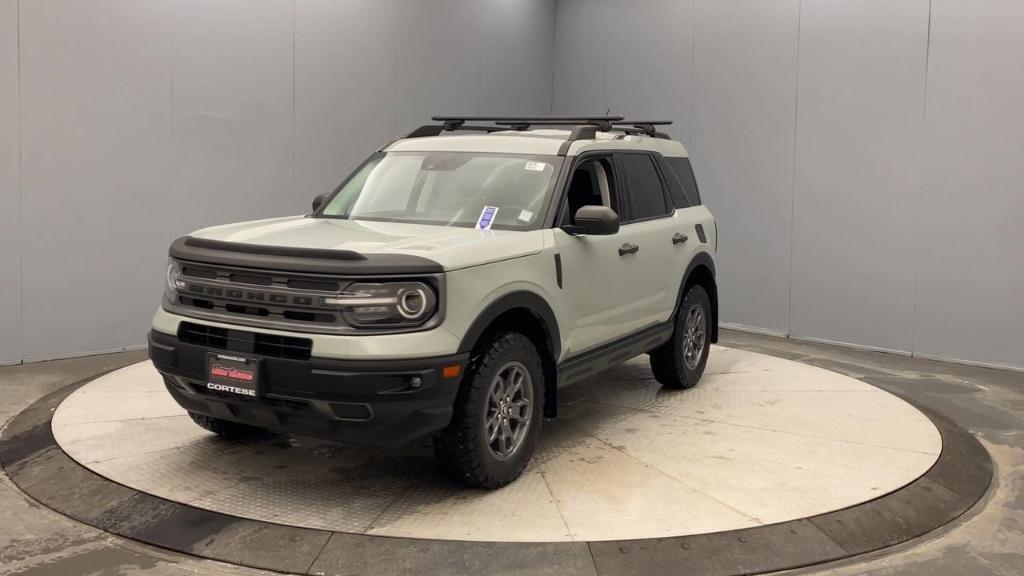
296 259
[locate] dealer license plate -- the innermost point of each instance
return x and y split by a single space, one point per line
232 374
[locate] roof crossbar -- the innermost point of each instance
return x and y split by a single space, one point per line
524 122
566 120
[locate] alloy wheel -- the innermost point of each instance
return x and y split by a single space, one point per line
694 334
509 409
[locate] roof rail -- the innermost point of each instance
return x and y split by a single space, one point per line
645 126
436 129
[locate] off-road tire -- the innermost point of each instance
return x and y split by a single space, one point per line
227 428
667 361
463 447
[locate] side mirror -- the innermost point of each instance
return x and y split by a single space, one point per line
319 201
594 220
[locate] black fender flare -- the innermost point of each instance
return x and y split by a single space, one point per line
530 301
701 259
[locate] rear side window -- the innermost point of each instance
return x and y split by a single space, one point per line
684 173
643 190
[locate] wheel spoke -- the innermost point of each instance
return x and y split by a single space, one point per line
520 409
493 427
516 384
506 437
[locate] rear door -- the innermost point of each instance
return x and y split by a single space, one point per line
692 229
649 216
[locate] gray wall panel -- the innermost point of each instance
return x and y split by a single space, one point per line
95 101
144 121
344 90
742 147
905 225
632 57
858 146
580 55
970 303
10 192
648 55
232 112
516 65
439 49
141 121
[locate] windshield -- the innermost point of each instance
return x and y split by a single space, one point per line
501 191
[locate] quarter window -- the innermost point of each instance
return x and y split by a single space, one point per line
684 172
644 193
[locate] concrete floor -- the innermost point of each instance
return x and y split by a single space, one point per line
989 540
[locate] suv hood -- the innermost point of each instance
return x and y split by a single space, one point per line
451 247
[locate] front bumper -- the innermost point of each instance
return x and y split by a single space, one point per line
373 402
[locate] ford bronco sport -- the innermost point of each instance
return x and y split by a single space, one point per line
448 287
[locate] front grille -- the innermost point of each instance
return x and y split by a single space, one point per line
268 345
293 300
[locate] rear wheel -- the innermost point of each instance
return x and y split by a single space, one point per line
680 362
227 428
498 413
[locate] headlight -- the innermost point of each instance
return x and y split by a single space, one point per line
385 304
174 281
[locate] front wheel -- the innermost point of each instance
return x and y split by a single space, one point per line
498 413
679 363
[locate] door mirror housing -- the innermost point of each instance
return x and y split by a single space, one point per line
594 221
319 201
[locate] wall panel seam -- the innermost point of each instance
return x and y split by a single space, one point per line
693 72
554 55
792 196
21 202
295 205
921 189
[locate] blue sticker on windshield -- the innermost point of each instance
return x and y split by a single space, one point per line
486 218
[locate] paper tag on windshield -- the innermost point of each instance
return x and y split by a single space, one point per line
535 166
486 218
525 215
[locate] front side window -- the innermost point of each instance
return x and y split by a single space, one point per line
448 189
644 193
592 184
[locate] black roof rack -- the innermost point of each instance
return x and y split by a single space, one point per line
606 124
453 123
531 119
584 127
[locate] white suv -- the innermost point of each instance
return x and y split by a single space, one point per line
449 287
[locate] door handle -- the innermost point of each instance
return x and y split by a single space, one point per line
628 248
679 238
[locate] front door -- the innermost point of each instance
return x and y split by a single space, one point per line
605 278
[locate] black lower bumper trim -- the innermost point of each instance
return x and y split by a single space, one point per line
374 402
